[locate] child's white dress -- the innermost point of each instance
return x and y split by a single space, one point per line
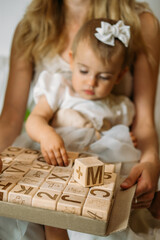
115 144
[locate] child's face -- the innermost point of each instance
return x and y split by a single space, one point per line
92 79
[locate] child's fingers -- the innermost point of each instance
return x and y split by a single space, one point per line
134 139
64 156
59 157
46 157
52 158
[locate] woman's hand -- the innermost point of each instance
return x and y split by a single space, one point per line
53 149
145 175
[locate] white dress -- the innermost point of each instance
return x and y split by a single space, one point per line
115 144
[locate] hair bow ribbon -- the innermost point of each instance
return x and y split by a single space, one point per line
107 33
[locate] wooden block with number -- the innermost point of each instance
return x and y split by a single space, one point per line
46 198
89 171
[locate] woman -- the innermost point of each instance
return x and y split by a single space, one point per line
42 41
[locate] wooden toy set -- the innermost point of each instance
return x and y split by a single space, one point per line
85 192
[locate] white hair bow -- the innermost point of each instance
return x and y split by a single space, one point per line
107 33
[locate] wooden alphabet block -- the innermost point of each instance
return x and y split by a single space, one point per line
33 173
100 192
14 151
7 157
42 166
10 177
62 171
109 178
56 186
46 198
89 171
17 169
5 187
31 181
96 208
77 190
26 156
58 177
73 155
74 182
22 194
108 167
4 167
70 203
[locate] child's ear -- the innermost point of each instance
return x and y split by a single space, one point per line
71 59
121 74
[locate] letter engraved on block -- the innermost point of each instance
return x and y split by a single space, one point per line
106 193
93 179
28 151
39 194
79 172
14 169
64 197
54 176
1 196
107 175
5 185
24 189
13 149
7 155
42 167
93 215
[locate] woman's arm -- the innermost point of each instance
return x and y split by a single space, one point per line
38 128
12 117
145 81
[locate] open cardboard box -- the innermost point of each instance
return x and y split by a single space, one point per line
118 220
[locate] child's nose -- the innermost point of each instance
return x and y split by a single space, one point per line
91 81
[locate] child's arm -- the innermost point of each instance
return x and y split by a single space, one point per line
38 128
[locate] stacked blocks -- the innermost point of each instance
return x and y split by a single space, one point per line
87 189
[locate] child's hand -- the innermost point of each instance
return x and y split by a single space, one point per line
134 139
145 174
53 149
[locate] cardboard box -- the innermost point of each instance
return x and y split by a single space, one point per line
118 221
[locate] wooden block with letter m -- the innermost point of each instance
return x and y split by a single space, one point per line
89 171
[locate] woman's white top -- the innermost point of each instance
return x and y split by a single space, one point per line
60 95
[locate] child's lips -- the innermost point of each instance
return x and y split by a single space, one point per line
89 92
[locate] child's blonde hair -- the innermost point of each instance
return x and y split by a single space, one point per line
42 30
103 51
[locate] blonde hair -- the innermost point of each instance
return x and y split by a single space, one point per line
103 51
42 32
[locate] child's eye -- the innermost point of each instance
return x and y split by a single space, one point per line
104 77
83 71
